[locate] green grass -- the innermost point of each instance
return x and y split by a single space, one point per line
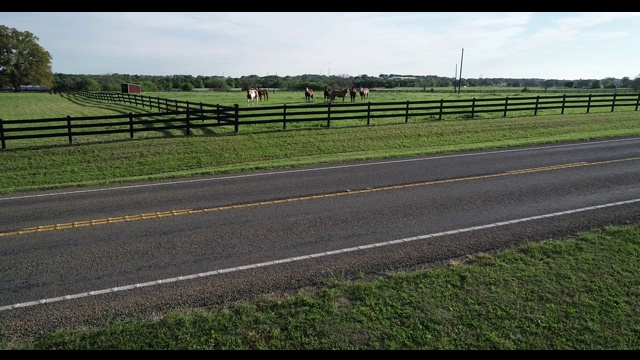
577 293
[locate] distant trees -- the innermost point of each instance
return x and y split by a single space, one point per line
22 60
111 82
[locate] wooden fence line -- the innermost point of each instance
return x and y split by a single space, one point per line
185 116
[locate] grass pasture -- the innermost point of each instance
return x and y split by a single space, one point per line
578 293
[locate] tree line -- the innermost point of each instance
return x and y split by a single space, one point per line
24 62
112 82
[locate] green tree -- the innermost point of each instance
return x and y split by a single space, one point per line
608 82
635 84
22 60
625 82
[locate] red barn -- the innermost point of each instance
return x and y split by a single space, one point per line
131 89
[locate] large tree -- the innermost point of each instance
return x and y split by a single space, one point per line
22 60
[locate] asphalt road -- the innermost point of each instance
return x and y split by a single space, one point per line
85 256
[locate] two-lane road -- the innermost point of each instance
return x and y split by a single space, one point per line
80 256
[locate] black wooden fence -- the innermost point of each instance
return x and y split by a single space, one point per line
185 116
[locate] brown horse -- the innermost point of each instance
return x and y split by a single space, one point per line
308 95
327 93
263 94
353 92
364 93
338 93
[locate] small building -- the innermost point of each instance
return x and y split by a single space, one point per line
131 89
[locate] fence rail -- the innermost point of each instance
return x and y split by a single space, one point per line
185 116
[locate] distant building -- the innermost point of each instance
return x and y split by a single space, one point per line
131 89
34 88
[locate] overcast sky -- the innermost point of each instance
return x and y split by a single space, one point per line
546 45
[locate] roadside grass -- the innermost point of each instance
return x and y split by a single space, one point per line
577 293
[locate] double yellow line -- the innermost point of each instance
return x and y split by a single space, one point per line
78 224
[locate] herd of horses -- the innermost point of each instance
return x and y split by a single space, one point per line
330 95
256 94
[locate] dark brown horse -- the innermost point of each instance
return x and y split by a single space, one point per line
264 94
308 95
353 93
338 93
364 93
327 93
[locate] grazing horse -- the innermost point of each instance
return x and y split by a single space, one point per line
338 93
252 97
263 94
327 93
364 93
353 92
308 94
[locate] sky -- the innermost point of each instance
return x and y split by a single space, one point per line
541 45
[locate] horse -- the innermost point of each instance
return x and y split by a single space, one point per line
252 97
327 93
353 92
308 94
263 94
364 93
338 93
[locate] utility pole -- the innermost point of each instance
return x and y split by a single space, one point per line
460 83
455 79
329 69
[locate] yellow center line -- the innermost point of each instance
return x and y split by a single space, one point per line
77 224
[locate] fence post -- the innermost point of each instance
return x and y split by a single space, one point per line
131 125
4 144
589 104
69 128
284 117
613 102
237 119
564 100
441 105
535 112
506 106
637 102
406 113
368 112
328 113
473 108
188 117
